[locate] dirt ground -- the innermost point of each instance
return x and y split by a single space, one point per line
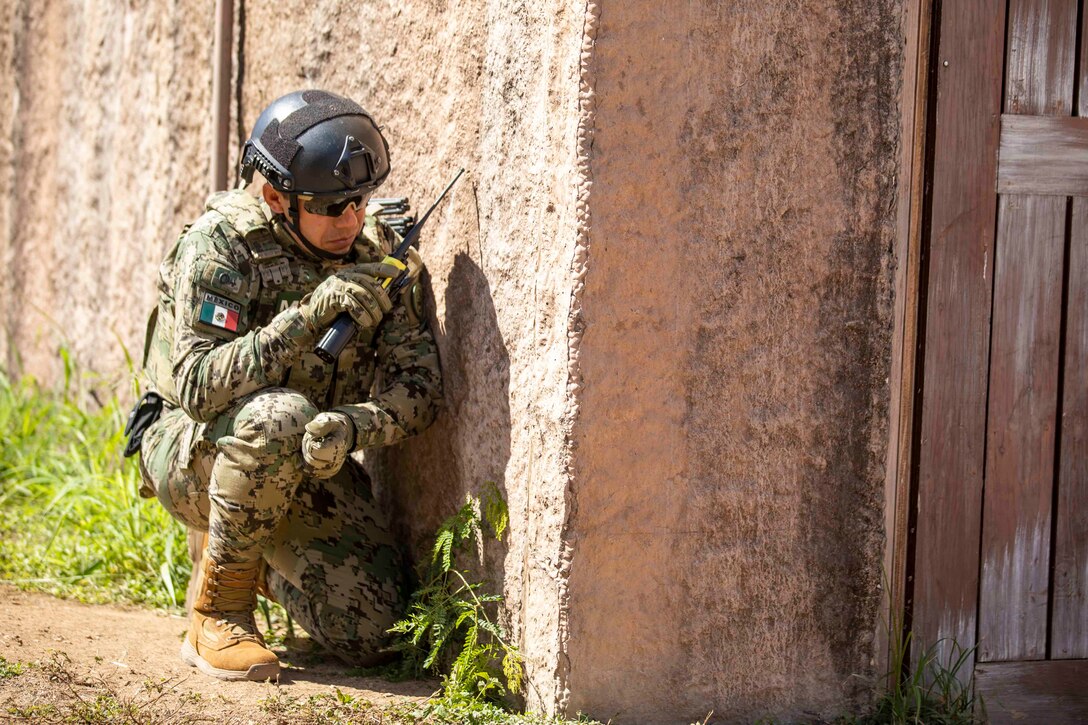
121 664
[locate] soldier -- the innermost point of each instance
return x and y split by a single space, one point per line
255 433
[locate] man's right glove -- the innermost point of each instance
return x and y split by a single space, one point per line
327 442
356 290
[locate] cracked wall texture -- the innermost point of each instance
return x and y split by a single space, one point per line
692 444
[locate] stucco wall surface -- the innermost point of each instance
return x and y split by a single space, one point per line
103 135
727 492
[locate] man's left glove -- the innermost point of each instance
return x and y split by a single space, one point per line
414 263
328 440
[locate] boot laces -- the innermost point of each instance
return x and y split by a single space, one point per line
233 596
240 627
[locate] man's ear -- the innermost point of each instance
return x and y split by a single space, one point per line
273 199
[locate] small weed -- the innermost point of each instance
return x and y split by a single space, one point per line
104 707
80 696
325 709
10 669
34 713
278 626
447 712
339 708
450 628
929 691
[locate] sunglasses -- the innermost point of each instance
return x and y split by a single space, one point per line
333 206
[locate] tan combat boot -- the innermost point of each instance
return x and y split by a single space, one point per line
223 640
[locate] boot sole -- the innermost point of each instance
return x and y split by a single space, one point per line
256 673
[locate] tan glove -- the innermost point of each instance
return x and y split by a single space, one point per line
328 440
356 290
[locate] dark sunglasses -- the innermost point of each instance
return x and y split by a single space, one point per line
333 206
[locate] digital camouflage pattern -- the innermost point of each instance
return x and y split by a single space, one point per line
225 456
333 563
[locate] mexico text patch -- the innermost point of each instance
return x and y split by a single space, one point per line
220 312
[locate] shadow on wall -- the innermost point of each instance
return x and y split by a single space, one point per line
469 443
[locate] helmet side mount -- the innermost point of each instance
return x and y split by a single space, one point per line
356 164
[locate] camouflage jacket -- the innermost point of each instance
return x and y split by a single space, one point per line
227 325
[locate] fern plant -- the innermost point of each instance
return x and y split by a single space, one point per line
448 627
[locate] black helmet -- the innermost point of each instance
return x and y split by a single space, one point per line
316 143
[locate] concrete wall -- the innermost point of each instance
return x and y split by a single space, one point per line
726 523
661 294
108 158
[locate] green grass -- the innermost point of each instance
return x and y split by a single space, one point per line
921 688
928 690
71 520
72 524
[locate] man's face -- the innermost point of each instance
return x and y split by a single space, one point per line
332 234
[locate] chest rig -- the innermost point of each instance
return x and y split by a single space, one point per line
277 279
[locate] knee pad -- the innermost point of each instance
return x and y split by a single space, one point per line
273 421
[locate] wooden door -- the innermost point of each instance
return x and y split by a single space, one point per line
1000 553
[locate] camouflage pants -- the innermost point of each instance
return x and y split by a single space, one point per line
332 561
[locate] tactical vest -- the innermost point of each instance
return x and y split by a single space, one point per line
267 278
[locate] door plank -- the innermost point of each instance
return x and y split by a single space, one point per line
1021 428
957 322
1023 388
1069 628
1043 155
1041 52
1034 692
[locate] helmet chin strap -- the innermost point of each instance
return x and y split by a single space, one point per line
288 221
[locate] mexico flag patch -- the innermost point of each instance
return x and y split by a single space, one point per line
220 312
